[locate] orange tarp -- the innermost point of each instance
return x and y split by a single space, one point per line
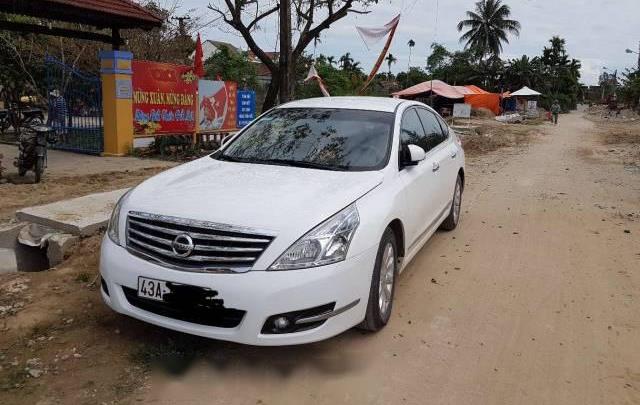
479 98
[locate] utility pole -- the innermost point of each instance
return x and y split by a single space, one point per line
285 51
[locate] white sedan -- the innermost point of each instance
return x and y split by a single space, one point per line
292 232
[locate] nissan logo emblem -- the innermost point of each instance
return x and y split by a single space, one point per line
182 245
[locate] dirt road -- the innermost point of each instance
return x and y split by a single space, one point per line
534 299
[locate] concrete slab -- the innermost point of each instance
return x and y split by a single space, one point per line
83 216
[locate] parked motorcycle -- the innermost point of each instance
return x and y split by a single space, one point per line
32 147
18 117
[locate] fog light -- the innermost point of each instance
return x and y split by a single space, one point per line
281 322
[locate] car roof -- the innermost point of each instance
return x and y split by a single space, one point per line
386 104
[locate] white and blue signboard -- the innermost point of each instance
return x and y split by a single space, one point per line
246 107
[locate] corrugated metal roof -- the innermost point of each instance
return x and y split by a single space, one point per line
99 13
125 8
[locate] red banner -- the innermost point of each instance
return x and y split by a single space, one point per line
164 98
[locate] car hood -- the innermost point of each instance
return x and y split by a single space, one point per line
281 199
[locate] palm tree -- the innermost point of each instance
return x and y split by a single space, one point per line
331 60
488 26
346 61
390 60
411 44
523 72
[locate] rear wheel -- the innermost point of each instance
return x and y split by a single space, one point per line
382 284
451 221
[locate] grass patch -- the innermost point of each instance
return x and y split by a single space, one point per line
83 277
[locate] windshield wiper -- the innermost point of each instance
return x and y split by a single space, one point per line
231 159
302 163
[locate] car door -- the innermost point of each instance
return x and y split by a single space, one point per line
419 181
439 150
454 153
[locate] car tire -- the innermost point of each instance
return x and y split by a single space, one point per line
451 222
380 301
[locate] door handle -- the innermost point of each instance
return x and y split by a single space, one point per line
436 166
453 155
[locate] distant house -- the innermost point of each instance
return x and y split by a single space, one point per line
209 47
262 71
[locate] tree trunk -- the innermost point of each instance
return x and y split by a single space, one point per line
271 98
285 50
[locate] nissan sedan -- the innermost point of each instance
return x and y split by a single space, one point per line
294 231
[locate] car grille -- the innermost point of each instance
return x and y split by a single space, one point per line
187 311
216 247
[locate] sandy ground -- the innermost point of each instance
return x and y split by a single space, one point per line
532 300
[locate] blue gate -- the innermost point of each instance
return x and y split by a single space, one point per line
75 108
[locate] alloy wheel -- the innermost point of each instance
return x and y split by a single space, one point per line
387 273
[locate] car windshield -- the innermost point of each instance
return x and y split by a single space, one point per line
321 138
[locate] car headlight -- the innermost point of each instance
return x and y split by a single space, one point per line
113 229
325 244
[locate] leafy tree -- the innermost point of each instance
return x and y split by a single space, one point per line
439 58
630 91
169 43
414 76
488 26
232 66
460 67
523 72
561 76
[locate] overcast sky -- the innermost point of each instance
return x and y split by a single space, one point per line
596 32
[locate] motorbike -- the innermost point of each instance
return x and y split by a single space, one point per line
18 117
32 149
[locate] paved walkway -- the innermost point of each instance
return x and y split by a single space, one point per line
62 164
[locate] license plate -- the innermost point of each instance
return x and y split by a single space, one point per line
152 289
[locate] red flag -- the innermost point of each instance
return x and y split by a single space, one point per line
198 67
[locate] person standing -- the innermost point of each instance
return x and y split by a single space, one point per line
555 110
57 111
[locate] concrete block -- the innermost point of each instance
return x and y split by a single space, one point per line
8 246
8 261
60 247
84 216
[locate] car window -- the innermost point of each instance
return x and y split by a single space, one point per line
322 138
434 135
411 130
444 126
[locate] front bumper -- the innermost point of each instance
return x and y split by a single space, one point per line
260 293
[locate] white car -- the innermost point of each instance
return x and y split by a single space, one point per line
292 232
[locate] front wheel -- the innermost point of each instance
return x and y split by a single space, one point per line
451 222
39 168
382 284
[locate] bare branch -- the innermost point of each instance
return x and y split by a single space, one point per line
263 15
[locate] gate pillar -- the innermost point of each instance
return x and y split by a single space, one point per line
117 102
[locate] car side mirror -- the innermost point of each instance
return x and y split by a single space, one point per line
415 155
